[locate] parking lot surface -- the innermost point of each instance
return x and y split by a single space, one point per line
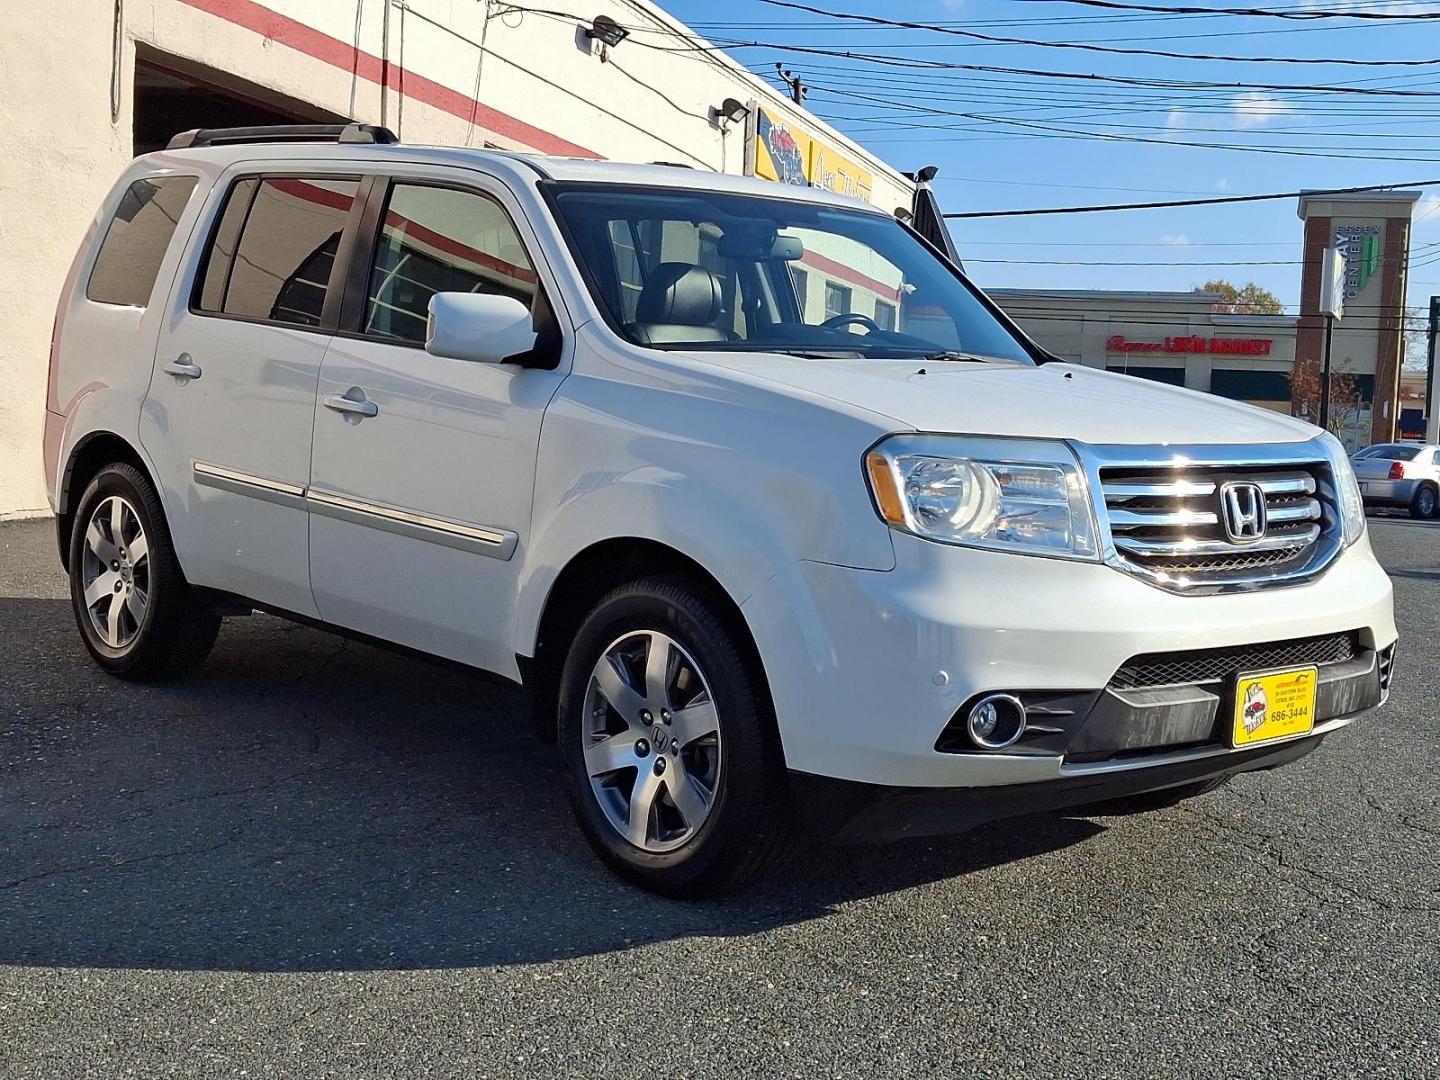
320 859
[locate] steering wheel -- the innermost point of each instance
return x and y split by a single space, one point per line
851 318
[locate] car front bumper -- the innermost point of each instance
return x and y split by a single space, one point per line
867 668
1387 492
852 812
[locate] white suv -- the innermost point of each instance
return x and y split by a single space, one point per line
777 518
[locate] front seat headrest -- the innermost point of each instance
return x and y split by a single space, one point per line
680 293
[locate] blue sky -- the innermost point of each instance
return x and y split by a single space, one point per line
993 166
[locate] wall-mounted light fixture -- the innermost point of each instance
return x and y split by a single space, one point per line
731 111
607 31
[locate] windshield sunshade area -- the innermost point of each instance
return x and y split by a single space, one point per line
709 270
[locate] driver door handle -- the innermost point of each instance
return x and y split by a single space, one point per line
349 405
181 367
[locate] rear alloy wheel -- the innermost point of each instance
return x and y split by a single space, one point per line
115 572
1424 504
676 772
137 614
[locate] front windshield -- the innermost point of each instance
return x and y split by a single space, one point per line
705 270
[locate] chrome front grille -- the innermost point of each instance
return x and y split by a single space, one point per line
1169 524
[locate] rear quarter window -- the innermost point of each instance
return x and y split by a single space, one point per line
273 249
136 240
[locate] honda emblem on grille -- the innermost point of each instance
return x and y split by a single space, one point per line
1242 509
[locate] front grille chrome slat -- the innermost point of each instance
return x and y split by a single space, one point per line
1172 489
1287 485
1169 523
1309 510
1191 547
1139 519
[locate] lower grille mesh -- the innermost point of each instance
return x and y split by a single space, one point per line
1215 665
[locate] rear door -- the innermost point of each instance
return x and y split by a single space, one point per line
423 467
230 411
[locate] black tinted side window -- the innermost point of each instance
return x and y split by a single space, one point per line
438 239
221 256
137 239
279 270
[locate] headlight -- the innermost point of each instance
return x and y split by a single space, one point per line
1347 491
1021 495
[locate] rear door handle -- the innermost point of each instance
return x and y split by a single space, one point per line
181 367
349 405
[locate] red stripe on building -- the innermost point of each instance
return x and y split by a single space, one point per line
847 274
321 46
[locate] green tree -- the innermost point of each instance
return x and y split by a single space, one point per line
1252 299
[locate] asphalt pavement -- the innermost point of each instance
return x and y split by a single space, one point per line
321 859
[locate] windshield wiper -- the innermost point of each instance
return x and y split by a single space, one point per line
820 354
952 354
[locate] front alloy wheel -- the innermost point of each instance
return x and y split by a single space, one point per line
673 758
652 741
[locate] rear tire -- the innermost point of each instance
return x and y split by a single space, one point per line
137 614
1425 503
655 666
1159 800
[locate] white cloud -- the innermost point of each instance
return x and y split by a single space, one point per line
1177 118
1222 184
1427 212
1175 239
1255 108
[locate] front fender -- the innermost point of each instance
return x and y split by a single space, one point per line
741 478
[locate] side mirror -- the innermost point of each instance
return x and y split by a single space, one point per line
483 327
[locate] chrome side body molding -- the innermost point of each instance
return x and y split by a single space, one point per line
481 539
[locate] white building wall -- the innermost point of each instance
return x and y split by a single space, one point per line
437 71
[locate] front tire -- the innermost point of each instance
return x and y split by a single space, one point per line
674 762
1424 505
136 612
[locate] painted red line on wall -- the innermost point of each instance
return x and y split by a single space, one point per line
321 46
845 273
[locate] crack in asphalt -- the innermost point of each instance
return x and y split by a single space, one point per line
117 863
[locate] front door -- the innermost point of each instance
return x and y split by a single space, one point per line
231 406
423 467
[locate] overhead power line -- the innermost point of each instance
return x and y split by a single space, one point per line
991 39
1268 13
1190 202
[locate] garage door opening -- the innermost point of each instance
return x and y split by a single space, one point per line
172 95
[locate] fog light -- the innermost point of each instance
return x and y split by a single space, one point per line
996 721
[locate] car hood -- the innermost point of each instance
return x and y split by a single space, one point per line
1051 401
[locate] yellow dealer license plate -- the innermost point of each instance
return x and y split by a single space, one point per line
1273 705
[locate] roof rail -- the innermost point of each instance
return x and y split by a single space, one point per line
283 133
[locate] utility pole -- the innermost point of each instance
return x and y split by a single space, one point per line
1325 376
798 90
1332 306
1432 412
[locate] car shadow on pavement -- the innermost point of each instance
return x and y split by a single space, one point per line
307 803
